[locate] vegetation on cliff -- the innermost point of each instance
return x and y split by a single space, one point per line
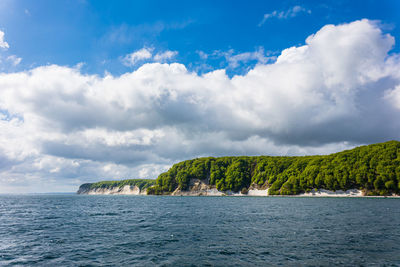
141 183
373 168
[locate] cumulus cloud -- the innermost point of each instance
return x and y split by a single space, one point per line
338 90
3 44
137 56
290 13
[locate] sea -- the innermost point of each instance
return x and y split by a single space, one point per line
81 230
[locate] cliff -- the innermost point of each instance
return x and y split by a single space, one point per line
372 170
203 188
123 187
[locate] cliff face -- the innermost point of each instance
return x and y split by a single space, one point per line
125 190
199 188
203 188
123 187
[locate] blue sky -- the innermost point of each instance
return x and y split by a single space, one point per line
98 33
94 90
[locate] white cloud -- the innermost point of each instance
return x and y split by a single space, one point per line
164 56
235 60
137 56
146 54
290 13
14 60
338 90
3 44
258 55
393 96
202 55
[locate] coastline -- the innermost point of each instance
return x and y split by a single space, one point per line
124 190
213 192
297 176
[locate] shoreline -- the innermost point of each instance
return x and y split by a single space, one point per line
213 192
245 196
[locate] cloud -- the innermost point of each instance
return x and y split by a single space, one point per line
144 33
393 96
202 55
290 13
166 55
146 54
137 56
234 60
59 125
258 55
3 44
14 60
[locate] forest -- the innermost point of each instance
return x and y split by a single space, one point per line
375 169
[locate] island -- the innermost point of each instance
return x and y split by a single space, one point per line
371 170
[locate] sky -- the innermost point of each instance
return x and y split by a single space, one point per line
108 90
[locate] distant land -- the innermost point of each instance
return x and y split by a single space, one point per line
123 187
372 170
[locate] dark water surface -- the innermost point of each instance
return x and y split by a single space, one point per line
74 230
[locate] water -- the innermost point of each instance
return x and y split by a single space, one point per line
74 230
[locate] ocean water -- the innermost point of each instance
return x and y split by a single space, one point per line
78 230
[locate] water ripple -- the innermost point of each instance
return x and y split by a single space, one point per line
72 230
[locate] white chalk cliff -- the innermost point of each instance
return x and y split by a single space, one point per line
124 190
